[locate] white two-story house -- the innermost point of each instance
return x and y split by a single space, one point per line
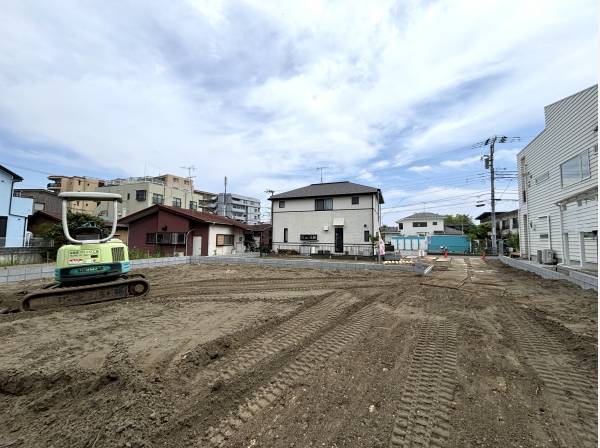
326 218
421 224
558 183
14 211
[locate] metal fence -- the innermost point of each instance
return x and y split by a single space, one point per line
363 250
26 242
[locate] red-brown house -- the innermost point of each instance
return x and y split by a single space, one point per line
171 230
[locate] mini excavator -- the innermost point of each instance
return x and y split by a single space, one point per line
92 268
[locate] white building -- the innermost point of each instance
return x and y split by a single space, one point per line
241 208
139 193
558 183
421 224
335 218
14 211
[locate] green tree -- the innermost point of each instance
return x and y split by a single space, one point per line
452 220
75 220
479 232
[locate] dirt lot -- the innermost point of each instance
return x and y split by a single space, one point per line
479 355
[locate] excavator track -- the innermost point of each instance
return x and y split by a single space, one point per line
55 296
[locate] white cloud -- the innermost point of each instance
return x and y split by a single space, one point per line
259 90
461 162
420 168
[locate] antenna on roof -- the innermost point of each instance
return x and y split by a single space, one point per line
190 169
321 168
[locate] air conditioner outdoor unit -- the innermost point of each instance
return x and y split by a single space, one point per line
548 256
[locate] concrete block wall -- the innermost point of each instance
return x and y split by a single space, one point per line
580 279
46 271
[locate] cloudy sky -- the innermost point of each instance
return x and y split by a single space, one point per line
389 94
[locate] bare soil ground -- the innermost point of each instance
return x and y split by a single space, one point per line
476 355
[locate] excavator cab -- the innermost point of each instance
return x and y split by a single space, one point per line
93 268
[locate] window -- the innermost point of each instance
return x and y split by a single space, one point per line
575 169
165 238
354 200
419 224
400 226
158 198
434 223
176 202
281 204
140 195
324 204
128 196
3 223
367 236
285 235
543 236
39 206
304 237
224 240
524 196
193 205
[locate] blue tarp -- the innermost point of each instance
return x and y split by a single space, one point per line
456 244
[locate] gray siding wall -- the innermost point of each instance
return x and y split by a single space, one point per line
569 131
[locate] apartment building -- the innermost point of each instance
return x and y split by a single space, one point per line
139 193
241 208
207 201
333 218
61 184
558 184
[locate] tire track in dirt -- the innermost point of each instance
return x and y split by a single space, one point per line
288 334
307 361
575 404
423 417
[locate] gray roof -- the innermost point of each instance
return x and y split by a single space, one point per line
329 189
423 215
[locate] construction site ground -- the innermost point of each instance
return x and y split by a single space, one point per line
475 354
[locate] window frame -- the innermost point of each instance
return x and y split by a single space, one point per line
367 236
194 206
281 204
324 202
141 195
224 238
419 223
583 155
285 234
309 237
176 202
355 200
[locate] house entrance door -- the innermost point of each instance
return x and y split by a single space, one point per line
339 239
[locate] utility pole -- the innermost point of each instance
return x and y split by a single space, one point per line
271 193
489 164
225 198
493 195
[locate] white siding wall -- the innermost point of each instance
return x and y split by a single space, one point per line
569 130
299 217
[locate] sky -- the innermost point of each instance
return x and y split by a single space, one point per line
391 94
